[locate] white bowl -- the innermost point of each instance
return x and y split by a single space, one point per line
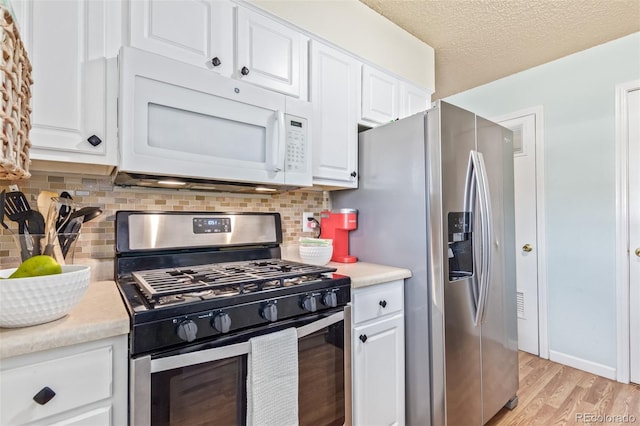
315 254
36 300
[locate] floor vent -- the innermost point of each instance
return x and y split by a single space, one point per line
520 304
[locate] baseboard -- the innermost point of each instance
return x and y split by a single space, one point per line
583 364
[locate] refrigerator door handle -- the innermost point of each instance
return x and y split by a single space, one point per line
477 184
487 237
470 197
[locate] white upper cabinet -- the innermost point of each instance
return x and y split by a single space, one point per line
223 37
75 85
380 96
270 54
335 93
386 98
413 99
198 32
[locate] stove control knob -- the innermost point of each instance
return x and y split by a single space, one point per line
187 330
270 312
309 304
330 299
222 322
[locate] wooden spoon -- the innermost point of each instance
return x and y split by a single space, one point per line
47 207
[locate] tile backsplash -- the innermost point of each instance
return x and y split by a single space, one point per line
96 243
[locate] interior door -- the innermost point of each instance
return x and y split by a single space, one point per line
633 111
524 159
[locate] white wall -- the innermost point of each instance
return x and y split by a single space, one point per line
577 93
354 27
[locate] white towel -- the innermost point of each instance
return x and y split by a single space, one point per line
272 379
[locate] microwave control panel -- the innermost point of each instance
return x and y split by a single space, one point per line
296 130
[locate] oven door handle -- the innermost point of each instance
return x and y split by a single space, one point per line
237 349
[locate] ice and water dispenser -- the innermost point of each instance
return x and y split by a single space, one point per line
459 228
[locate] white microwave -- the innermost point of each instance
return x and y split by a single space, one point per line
187 127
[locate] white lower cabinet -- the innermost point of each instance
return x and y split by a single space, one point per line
377 355
84 384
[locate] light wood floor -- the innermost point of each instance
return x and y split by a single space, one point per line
554 394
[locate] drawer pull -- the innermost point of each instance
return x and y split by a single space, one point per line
383 303
45 395
94 140
363 338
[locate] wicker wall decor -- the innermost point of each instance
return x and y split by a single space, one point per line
15 85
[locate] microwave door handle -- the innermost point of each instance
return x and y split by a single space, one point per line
278 142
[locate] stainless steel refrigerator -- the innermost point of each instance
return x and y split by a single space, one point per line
435 195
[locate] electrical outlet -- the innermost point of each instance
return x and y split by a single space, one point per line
306 225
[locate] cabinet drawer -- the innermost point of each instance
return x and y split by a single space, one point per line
77 380
377 301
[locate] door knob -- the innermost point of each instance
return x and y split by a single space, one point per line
638 252
527 248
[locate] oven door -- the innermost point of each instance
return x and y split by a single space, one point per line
206 383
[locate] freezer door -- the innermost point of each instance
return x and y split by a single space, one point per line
461 285
499 342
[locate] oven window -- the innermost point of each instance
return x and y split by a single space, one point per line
199 394
321 377
215 392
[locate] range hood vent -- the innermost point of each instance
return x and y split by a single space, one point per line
125 179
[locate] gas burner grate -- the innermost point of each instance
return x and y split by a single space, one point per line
225 279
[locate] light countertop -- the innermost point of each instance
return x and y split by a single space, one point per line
100 314
362 274
365 274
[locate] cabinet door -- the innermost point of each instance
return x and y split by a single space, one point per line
413 99
270 54
198 32
335 83
380 96
68 43
378 372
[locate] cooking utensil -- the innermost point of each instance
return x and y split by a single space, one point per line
18 210
35 224
53 246
45 198
64 210
73 225
85 213
4 225
71 234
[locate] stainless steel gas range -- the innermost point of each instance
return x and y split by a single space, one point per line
198 286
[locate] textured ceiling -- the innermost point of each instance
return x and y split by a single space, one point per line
478 41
